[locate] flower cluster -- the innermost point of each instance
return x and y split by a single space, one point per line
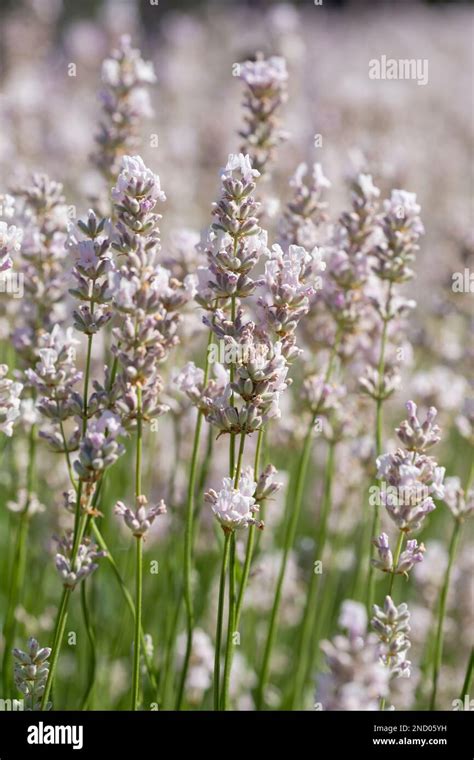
235 240
402 229
10 393
349 262
146 299
43 216
459 503
91 246
99 448
31 673
357 678
412 554
266 92
10 243
414 478
72 570
306 211
235 507
140 520
391 624
292 279
125 101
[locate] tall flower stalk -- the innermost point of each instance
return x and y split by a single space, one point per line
401 227
461 505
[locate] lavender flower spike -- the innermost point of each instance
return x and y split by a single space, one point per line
235 507
71 573
391 623
140 521
412 554
417 436
31 672
10 393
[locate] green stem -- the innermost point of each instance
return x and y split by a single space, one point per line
289 539
138 624
238 468
86 700
466 687
396 558
139 561
438 652
250 540
60 626
303 651
291 531
188 541
378 451
230 626
86 382
18 576
220 614
127 596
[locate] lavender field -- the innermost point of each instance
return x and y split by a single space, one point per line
236 356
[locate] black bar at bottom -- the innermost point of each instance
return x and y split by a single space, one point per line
310 734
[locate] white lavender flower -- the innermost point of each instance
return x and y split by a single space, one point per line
136 180
70 571
391 624
125 102
10 393
417 436
459 503
31 673
140 520
235 507
412 476
266 92
292 279
357 679
412 554
402 229
10 243
306 211
99 447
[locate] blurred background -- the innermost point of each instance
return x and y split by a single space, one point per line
411 136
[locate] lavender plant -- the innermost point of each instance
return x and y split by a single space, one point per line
186 417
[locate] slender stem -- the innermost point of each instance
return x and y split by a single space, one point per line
230 626
220 614
289 539
86 700
138 463
18 575
250 540
138 619
139 561
126 594
233 309
466 687
294 512
304 654
188 541
60 626
378 450
438 652
396 557
86 383
238 468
